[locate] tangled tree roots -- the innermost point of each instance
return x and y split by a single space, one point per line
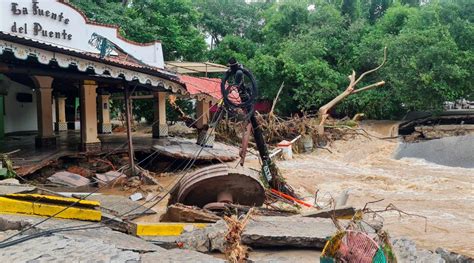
235 251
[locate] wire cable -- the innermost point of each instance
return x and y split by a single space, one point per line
4 242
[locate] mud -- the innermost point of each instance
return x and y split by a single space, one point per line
365 166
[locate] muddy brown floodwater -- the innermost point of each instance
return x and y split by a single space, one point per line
366 168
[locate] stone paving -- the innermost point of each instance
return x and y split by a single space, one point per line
91 245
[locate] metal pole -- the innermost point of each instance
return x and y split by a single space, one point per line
267 163
129 130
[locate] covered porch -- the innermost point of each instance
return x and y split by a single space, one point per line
28 159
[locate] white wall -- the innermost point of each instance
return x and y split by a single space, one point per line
20 116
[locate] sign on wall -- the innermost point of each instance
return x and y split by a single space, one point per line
36 28
60 24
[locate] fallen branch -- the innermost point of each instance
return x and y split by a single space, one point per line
277 96
323 111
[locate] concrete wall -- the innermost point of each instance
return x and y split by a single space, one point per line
20 116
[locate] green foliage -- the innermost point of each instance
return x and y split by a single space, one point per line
171 21
144 109
229 17
233 46
7 170
313 50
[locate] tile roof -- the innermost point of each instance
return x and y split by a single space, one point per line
198 87
120 61
205 86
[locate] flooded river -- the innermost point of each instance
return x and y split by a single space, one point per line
366 167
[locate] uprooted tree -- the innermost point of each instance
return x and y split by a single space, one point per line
351 89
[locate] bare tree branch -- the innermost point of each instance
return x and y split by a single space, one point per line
323 111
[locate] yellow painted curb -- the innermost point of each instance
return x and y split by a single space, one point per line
164 229
43 205
54 199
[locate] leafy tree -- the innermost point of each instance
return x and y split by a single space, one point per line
229 17
413 3
312 45
171 21
233 46
350 9
378 8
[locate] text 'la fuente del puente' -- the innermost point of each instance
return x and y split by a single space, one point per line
37 28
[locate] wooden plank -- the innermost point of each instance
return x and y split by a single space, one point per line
183 213
343 212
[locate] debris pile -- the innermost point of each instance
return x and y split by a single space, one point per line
277 129
235 251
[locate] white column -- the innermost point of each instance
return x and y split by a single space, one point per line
104 114
88 97
44 104
160 127
206 136
61 124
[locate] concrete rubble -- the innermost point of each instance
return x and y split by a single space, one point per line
292 231
186 149
120 205
69 179
112 177
297 232
103 244
183 213
13 186
406 251
451 257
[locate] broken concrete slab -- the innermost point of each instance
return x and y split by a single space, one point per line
453 257
338 212
167 242
275 231
69 179
9 181
56 248
295 231
97 245
208 239
186 149
15 189
121 206
111 177
90 245
406 251
183 213
136 196
284 255
179 255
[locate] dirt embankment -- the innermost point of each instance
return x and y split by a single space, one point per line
365 166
